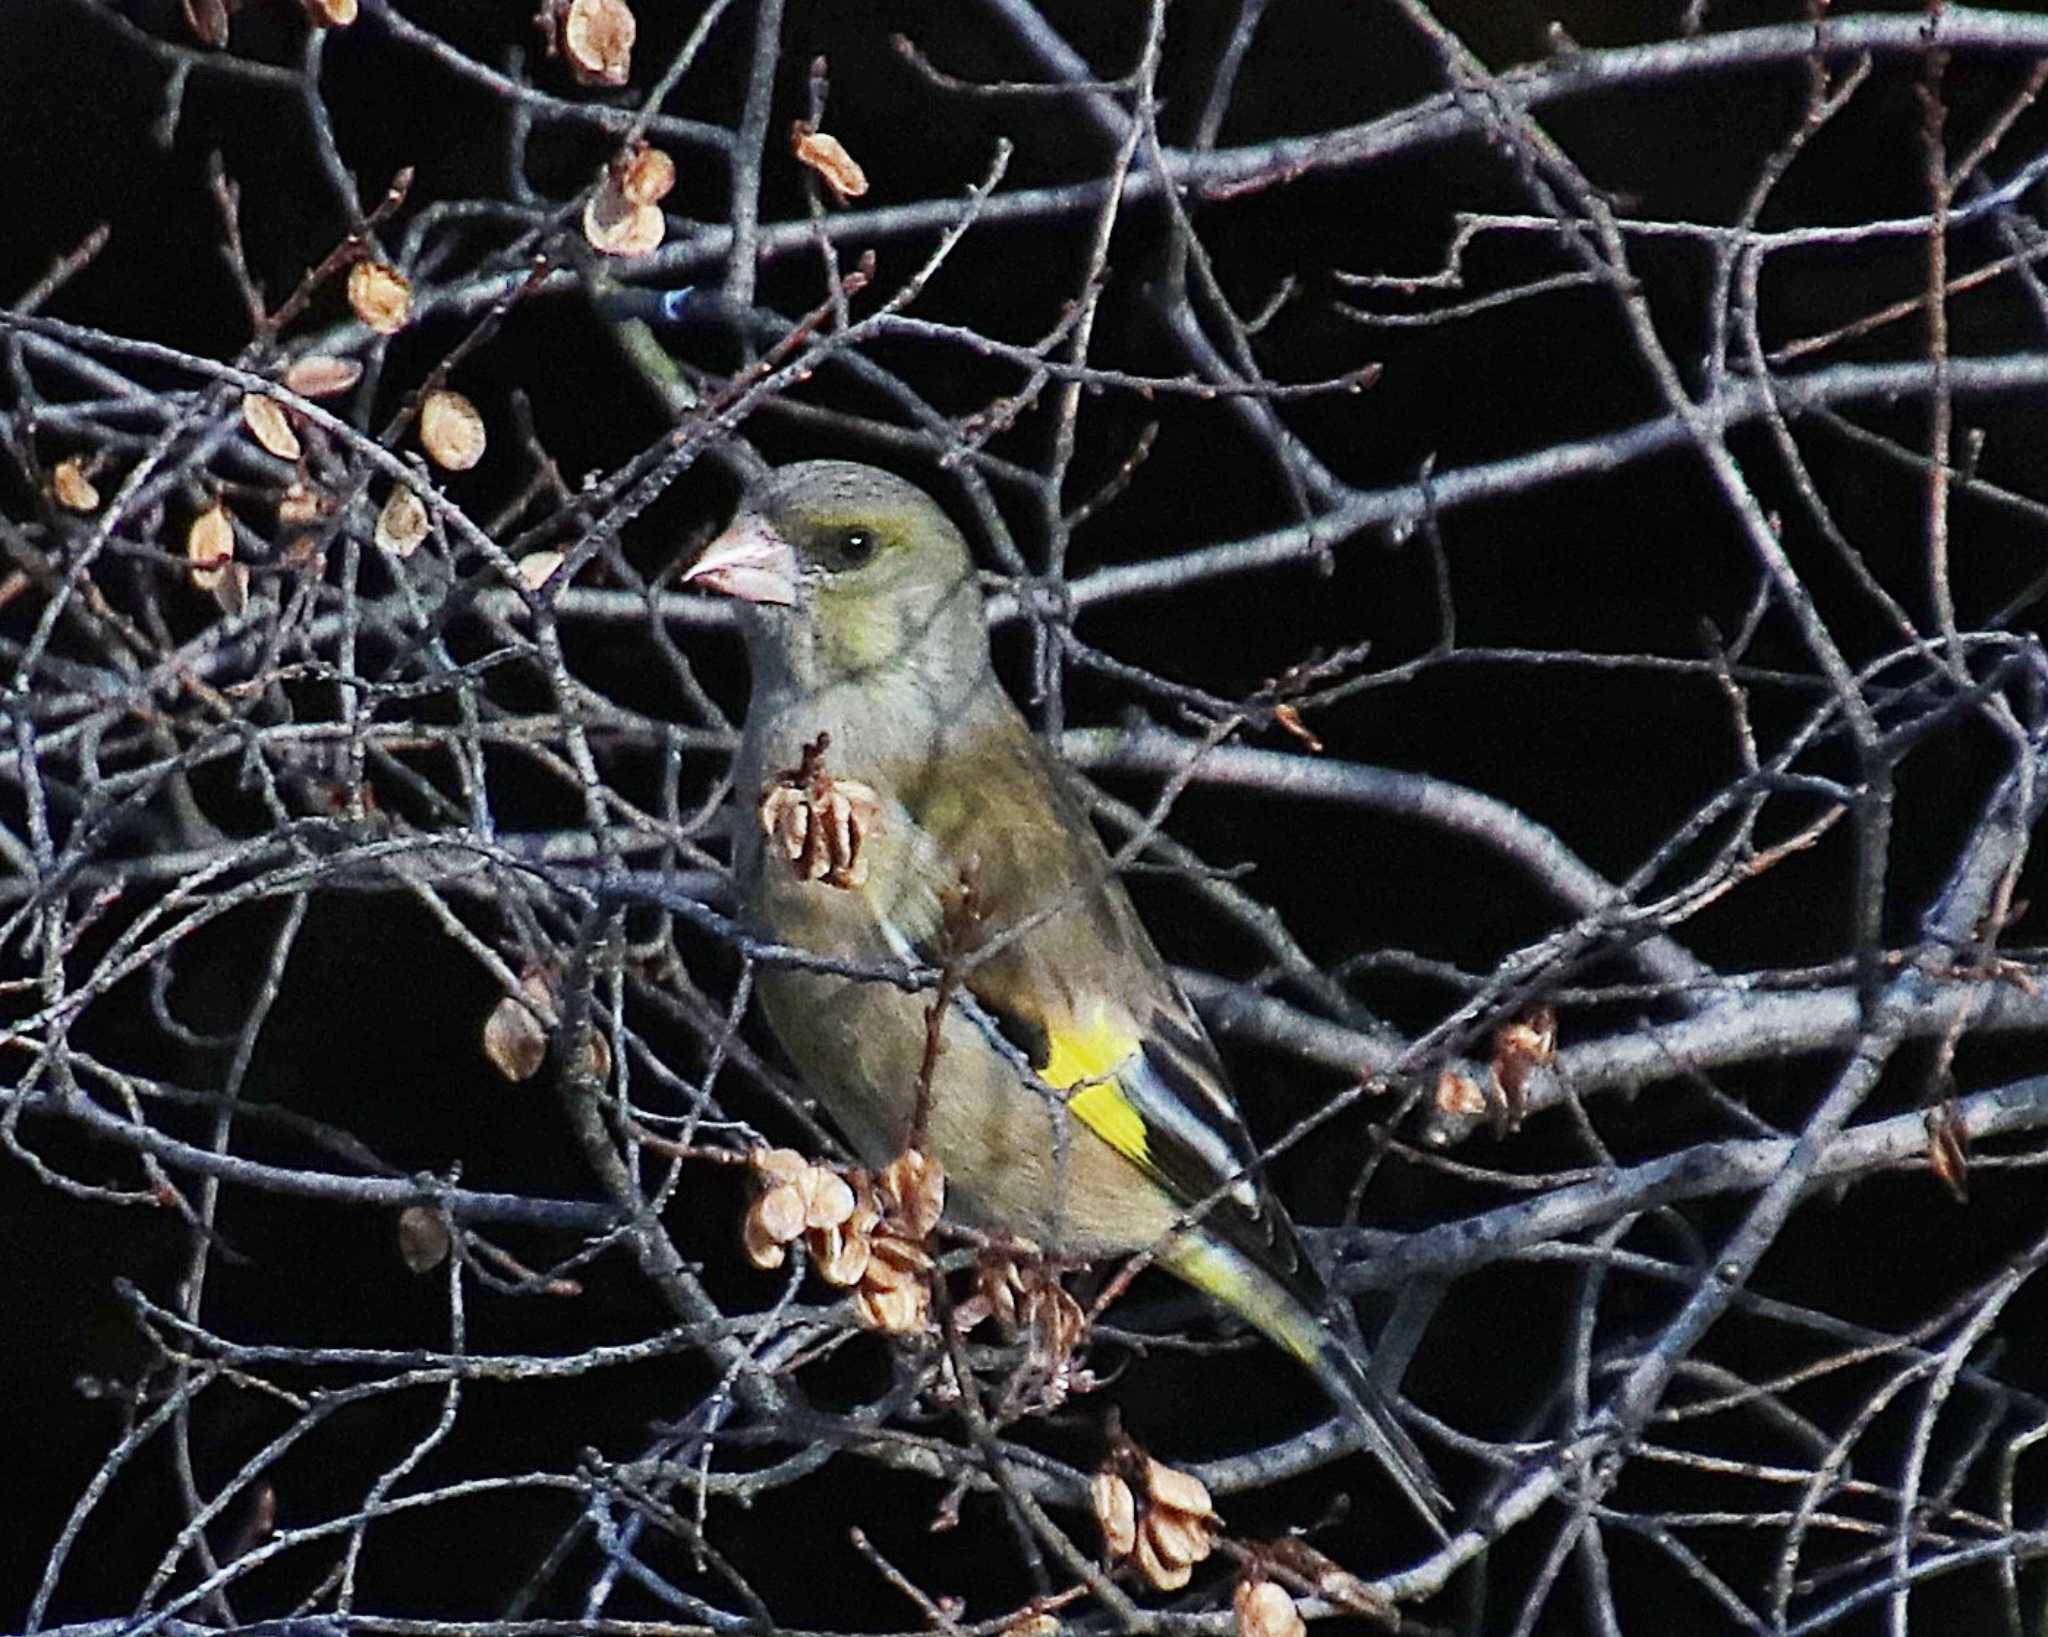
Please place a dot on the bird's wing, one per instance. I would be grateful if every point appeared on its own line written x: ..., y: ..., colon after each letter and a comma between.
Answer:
x: 1060, y: 963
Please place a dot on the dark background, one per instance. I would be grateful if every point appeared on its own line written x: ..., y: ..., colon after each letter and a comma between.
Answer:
x: 376, y: 1030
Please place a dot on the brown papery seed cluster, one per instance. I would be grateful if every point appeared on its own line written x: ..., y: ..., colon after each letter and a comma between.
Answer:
x: 1155, y: 1518
x: 820, y: 824
x: 865, y: 1234
x: 1024, y: 1295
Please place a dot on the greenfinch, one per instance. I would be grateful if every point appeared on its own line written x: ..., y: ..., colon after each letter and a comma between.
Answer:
x: 1075, y: 1099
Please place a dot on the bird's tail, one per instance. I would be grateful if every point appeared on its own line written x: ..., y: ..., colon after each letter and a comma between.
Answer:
x: 1226, y: 1273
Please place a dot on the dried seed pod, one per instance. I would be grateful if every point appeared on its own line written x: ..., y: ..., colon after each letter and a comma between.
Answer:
x: 1158, y: 1572
x: 1000, y: 1289
x: 841, y: 1256
x: 896, y: 1263
x: 645, y: 175
x: 321, y: 375
x: 597, y: 40
x: 820, y: 823
x: 268, y: 423
x: 451, y: 430
x: 1181, y: 1491
x: 1459, y: 1094
x: 1116, y: 1510
x: 210, y: 546
x: 777, y: 1164
x: 1178, y: 1537
x: 828, y: 1201
x: 763, y: 1249
x: 71, y: 488
x: 827, y: 156
x: 1519, y: 1048
x: 516, y: 1030
x: 536, y: 567
x: 780, y: 1211
x: 402, y: 524
x: 380, y: 295
x: 1057, y: 1321
x: 330, y: 13
x: 423, y: 1241
x: 615, y: 225
x: 897, y: 1310
x: 208, y: 21
x: 1264, y: 1609
x: 913, y: 1187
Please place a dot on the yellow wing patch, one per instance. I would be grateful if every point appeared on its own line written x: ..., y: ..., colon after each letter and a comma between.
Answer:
x: 1088, y: 1055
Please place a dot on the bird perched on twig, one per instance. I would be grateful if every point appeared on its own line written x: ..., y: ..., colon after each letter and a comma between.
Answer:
x: 907, y: 811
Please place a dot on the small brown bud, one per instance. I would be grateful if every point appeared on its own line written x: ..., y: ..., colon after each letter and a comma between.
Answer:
x: 71, y: 488
x: 451, y: 430
x: 597, y: 39
x: 402, y: 524
x: 380, y: 295
x: 827, y: 156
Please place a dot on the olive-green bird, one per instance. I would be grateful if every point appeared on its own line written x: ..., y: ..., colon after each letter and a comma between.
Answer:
x: 863, y: 621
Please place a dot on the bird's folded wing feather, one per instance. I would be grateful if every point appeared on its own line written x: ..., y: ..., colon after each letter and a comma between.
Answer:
x: 1064, y: 969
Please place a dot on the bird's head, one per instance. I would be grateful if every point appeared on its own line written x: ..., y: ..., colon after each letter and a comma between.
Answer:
x: 843, y: 570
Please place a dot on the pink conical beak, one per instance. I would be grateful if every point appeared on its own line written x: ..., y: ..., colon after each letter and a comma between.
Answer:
x: 749, y: 561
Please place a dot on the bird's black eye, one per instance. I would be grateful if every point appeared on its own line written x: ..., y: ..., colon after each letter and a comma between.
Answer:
x: 855, y: 547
